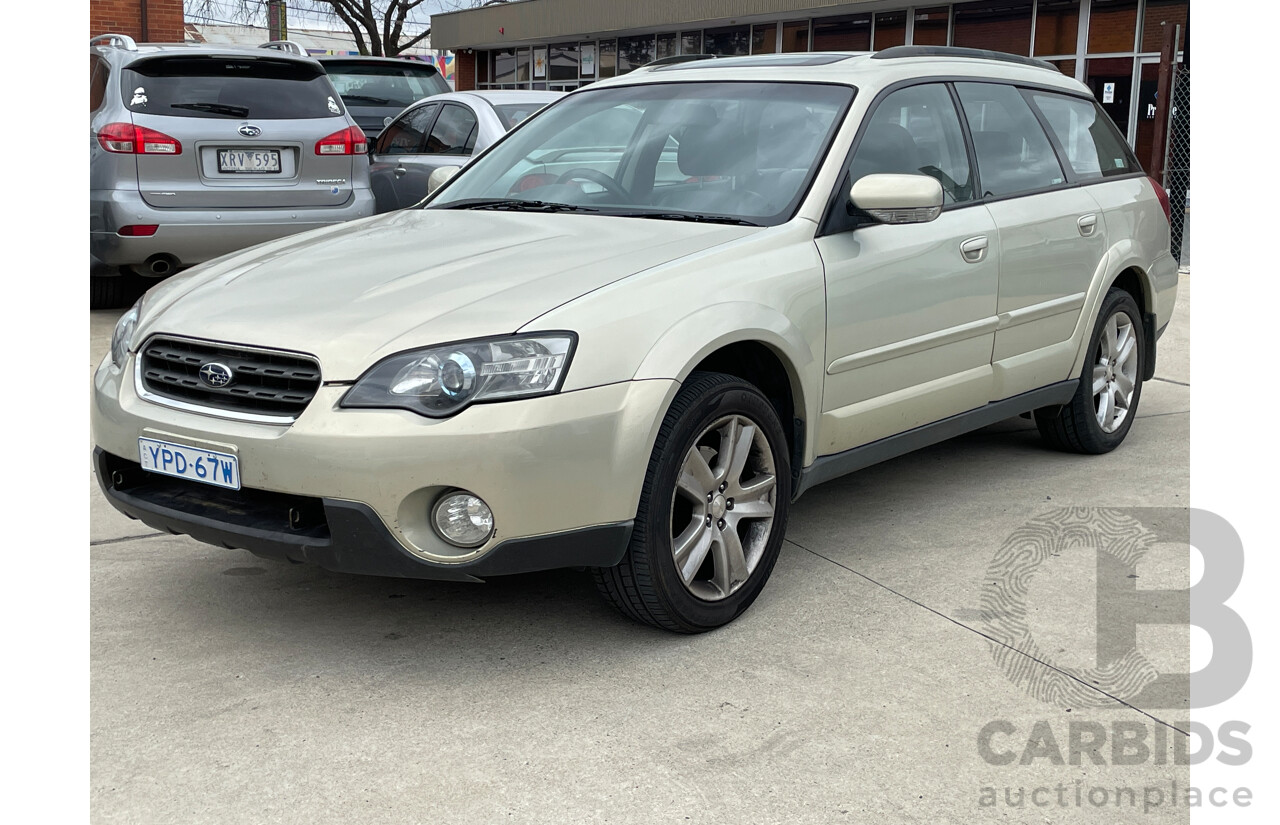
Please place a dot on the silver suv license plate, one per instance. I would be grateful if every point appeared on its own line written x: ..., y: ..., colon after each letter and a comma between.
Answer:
x: 264, y: 161
x: 205, y: 466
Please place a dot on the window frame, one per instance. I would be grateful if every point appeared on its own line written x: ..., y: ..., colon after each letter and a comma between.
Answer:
x: 836, y: 219
x: 380, y: 148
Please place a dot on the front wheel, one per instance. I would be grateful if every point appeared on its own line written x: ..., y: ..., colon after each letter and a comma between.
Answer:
x: 1100, y: 414
x: 712, y: 512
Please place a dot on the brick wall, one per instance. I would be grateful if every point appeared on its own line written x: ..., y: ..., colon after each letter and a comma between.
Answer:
x: 164, y: 19
x: 464, y: 70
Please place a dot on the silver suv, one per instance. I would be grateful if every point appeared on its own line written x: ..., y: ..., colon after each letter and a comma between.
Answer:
x: 197, y: 151
x: 653, y: 315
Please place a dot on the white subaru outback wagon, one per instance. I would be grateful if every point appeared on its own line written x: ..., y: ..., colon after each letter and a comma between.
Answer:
x: 629, y: 335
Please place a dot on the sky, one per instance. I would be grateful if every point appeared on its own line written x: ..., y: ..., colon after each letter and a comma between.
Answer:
x: 229, y: 11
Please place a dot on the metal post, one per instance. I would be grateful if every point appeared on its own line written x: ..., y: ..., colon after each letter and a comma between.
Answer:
x: 1164, y: 100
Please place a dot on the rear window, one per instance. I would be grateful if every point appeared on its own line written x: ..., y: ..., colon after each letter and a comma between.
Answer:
x: 512, y: 113
x: 378, y: 84
x: 242, y: 88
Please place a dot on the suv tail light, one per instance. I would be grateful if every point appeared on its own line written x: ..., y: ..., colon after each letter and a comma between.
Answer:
x: 1163, y: 196
x: 350, y: 141
x: 127, y: 139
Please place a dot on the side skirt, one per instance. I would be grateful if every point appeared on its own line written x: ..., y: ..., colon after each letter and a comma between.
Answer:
x: 828, y: 467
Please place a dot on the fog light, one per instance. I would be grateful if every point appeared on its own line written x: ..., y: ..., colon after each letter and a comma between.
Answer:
x: 463, y: 519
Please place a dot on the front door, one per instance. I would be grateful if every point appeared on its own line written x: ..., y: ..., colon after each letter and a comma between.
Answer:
x: 911, y: 309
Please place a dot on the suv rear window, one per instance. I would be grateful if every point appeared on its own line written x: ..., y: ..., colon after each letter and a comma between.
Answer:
x: 377, y: 84
x: 229, y: 87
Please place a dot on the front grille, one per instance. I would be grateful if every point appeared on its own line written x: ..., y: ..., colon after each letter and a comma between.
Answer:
x: 264, y: 382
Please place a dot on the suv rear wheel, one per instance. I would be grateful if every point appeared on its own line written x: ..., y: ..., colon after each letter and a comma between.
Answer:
x: 712, y: 512
x: 113, y: 291
x: 1100, y: 414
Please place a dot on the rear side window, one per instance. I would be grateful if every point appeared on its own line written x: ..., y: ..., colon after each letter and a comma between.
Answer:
x: 1093, y: 146
x: 511, y: 114
x: 97, y: 82
x: 1014, y: 153
x: 242, y: 88
x: 454, y: 132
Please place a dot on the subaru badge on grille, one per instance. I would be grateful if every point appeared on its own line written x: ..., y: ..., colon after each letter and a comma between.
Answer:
x: 215, y: 374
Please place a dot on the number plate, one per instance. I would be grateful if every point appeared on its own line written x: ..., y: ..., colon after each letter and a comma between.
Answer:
x: 252, y: 161
x: 205, y: 466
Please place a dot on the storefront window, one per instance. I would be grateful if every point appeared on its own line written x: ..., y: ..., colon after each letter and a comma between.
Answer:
x: 691, y: 43
x: 842, y: 34
x: 504, y: 66
x: 1112, y: 25
x: 1057, y: 25
x: 1067, y: 67
x: 608, y: 58
x: 562, y: 61
x: 728, y: 42
x: 634, y: 52
x: 764, y: 38
x: 1173, y: 12
x: 999, y: 25
x: 668, y: 45
x: 891, y: 29
x: 795, y: 36
x: 522, y: 66
x: 1111, y: 80
x: 932, y: 26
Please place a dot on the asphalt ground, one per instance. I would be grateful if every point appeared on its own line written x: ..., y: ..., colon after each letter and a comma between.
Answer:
x: 893, y: 665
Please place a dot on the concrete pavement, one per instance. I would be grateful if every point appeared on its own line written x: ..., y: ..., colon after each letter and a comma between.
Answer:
x: 230, y: 689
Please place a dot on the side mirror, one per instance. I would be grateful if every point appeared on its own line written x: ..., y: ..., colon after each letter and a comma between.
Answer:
x: 441, y: 176
x: 898, y: 198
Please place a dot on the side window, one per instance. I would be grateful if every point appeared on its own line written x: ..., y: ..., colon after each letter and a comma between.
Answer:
x: 916, y: 131
x: 1014, y: 153
x: 1094, y: 148
x: 98, y: 72
x: 454, y: 132
x: 407, y: 134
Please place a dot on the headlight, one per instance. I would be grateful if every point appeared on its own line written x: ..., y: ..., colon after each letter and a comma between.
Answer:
x: 441, y: 381
x: 122, y: 337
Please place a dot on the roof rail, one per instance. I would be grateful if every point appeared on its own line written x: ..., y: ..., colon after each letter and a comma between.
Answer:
x: 121, y: 41
x: 676, y: 58
x: 285, y: 46
x: 896, y: 52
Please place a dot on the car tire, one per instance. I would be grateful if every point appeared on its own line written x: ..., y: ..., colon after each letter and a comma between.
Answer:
x: 111, y: 291
x: 723, y: 435
x: 1100, y: 414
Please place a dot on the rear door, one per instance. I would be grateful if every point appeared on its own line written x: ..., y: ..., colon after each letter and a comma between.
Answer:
x: 449, y: 143
x: 243, y: 131
x: 1052, y: 238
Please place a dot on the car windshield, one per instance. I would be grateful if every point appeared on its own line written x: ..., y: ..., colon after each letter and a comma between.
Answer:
x: 733, y: 152
x: 379, y: 84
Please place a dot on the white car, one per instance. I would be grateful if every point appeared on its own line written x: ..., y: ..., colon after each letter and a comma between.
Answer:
x: 442, y: 130
x: 633, y: 354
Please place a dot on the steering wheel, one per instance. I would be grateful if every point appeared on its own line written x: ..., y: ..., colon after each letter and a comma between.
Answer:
x: 585, y: 173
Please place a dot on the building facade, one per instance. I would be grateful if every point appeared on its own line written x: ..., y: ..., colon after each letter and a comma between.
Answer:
x: 156, y: 21
x: 1111, y: 45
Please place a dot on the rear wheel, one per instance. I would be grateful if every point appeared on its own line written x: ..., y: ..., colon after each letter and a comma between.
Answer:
x: 1100, y: 414
x: 712, y: 512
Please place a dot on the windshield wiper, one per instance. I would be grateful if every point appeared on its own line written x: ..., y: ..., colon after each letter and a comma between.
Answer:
x: 516, y: 205
x: 214, y: 108
x: 377, y: 101
x: 685, y: 216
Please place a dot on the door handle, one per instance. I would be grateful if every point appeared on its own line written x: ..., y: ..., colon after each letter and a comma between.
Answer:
x: 1087, y: 225
x: 974, y: 250
x: 400, y: 171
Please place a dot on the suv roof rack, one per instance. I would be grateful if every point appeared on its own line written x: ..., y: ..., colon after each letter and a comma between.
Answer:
x: 119, y: 41
x: 896, y: 52
x: 285, y: 46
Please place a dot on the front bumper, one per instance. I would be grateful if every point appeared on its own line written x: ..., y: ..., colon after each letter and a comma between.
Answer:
x: 194, y: 236
x: 562, y: 474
